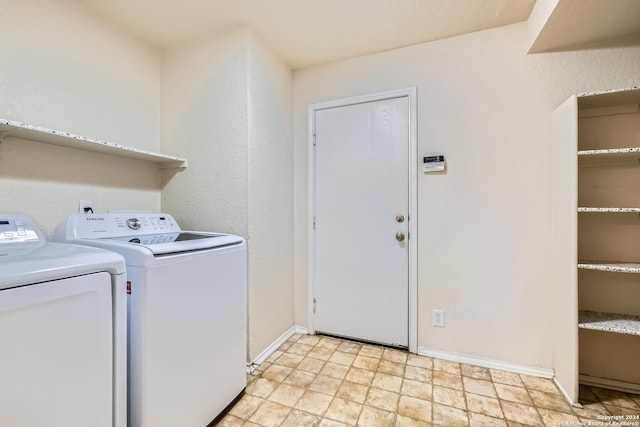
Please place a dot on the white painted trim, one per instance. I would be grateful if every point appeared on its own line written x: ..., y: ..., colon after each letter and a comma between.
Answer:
x: 564, y: 392
x: 488, y: 363
x: 411, y: 94
x: 277, y: 343
x: 311, y: 208
x: 611, y: 384
x: 301, y: 330
x: 413, y: 219
x: 274, y: 346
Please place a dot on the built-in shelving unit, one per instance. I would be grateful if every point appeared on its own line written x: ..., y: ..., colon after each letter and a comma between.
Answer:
x: 597, y: 164
x: 24, y: 131
x: 608, y: 179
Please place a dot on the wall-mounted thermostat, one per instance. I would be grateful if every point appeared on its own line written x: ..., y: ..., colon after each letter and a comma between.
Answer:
x: 433, y: 164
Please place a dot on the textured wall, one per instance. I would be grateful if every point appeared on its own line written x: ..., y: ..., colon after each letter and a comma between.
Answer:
x: 204, y: 118
x: 227, y: 107
x: 270, y: 197
x: 64, y: 68
x: 483, y: 227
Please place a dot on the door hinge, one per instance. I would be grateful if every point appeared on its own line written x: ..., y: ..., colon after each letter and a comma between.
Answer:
x: 314, y: 306
x: 314, y: 222
x: 314, y: 139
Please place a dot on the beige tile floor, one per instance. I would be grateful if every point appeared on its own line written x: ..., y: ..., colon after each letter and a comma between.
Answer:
x: 322, y: 381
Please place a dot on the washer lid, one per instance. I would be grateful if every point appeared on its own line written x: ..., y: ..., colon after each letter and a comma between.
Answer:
x: 141, y: 238
x: 52, y: 261
x: 182, y: 241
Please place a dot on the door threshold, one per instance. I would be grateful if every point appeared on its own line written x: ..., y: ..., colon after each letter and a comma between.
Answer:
x: 363, y: 341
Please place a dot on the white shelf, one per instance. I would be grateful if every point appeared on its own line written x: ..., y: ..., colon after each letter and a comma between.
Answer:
x: 12, y: 129
x: 613, y: 267
x: 614, y: 98
x: 573, y: 25
x: 611, y: 153
x: 609, y: 322
x: 609, y: 210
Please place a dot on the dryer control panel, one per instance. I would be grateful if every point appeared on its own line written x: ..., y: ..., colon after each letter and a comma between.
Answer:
x: 18, y: 229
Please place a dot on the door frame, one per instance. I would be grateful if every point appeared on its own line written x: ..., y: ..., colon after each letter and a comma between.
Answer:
x: 411, y: 94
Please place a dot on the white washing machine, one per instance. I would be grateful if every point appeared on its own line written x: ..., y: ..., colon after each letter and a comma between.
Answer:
x: 187, y: 314
x: 62, y: 331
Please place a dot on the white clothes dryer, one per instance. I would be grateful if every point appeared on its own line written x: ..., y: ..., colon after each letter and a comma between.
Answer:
x: 62, y: 331
x: 187, y: 314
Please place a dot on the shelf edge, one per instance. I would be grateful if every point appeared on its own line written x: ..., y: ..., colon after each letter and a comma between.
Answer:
x: 613, y: 267
x: 609, y: 322
x: 609, y: 151
x: 586, y: 209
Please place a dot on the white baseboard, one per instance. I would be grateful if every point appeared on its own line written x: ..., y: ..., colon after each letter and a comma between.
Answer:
x: 565, y: 394
x: 610, y: 384
x: 277, y: 343
x: 301, y: 330
x: 487, y: 363
x: 423, y: 351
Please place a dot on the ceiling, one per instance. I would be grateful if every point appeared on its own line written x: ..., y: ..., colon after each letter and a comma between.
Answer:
x: 310, y: 32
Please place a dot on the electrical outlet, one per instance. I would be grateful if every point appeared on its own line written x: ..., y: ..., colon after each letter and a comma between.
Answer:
x: 85, y: 206
x: 437, y: 318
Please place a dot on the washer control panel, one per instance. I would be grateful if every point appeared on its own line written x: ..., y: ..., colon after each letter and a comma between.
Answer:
x: 18, y: 229
x: 121, y: 224
x: 146, y: 224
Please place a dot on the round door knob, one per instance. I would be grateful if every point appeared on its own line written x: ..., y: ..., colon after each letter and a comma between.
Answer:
x: 399, y: 236
x: 400, y: 218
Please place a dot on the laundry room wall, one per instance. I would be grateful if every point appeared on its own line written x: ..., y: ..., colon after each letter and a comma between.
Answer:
x: 270, y: 196
x: 483, y: 226
x: 64, y: 68
x: 204, y: 118
x: 227, y: 107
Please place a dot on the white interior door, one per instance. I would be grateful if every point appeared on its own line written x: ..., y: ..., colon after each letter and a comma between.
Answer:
x: 362, y: 220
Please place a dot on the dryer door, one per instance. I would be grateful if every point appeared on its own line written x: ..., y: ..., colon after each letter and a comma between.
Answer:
x: 56, y: 354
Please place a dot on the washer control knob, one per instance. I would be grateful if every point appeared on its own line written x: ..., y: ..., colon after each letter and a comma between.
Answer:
x: 133, y: 223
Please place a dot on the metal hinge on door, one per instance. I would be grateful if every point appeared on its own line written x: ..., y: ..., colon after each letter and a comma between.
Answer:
x: 314, y: 306
x: 314, y: 139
